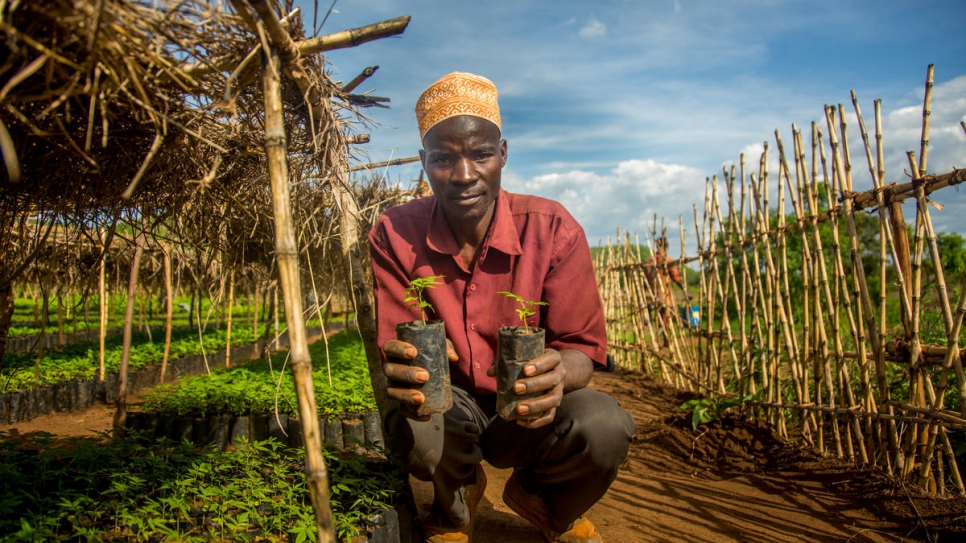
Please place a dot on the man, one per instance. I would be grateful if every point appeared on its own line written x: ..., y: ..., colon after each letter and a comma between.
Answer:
x: 660, y: 272
x: 566, y: 451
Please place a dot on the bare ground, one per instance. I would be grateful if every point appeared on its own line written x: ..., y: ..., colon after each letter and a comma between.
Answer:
x: 730, y: 481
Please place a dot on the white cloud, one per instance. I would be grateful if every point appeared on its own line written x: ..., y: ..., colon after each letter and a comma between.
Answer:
x: 593, y: 29
x: 631, y: 192
x: 628, y: 196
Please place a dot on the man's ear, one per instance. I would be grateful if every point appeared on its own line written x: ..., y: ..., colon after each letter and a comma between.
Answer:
x: 502, y: 151
x: 422, y: 158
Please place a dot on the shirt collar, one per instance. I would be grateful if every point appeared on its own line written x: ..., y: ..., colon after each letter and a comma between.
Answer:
x: 502, y: 234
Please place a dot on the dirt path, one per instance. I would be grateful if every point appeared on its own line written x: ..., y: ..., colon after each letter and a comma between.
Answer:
x: 725, y: 483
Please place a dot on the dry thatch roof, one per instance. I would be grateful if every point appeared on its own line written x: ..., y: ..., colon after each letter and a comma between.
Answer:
x: 150, y: 112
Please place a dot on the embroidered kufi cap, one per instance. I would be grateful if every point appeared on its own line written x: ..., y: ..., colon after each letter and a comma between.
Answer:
x: 458, y: 93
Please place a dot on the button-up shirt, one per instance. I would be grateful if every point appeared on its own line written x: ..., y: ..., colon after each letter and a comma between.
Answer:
x: 533, y: 248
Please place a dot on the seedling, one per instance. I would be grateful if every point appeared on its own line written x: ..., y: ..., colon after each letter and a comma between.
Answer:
x: 414, y: 294
x: 707, y: 410
x: 525, y: 310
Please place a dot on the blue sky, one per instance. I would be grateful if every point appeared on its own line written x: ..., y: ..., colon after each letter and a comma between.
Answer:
x: 621, y: 109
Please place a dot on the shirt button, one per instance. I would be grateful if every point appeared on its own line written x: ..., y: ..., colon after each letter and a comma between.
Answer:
x: 477, y: 364
x: 473, y: 327
x: 473, y: 286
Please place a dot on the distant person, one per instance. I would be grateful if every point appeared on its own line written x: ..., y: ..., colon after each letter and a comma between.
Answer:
x: 661, y: 272
x: 483, y: 240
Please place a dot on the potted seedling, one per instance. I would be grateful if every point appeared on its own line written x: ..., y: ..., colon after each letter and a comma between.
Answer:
x: 429, y: 338
x: 517, y: 345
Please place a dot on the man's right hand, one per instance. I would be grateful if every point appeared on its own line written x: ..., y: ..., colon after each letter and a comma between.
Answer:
x: 404, y: 378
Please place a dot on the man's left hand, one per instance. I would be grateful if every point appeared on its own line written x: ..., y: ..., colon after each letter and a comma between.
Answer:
x: 544, y: 375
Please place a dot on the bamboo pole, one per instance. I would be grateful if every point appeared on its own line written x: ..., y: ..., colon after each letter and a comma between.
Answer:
x: 286, y: 252
x: 748, y: 387
x: 169, y: 310
x: 926, y: 116
x: 841, y: 168
x: 102, y: 310
x: 947, y: 314
x: 228, y: 317
x: 338, y: 40
x: 796, y: 356
x: 255, y: 311
x: 711, y: 293
x: 842, y: 299
x: 691, y: 354
x: 377, y: 165
x: 120, y: 414
x: 819, y: 280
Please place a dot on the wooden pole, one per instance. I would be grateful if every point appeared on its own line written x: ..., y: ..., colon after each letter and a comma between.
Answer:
x: 842, y: 169
x: 286, y: 252
x: 231, y: 305
x: 102, y: 309
x: 120, y: 414
x: 7, y: 298
x: 338, y: 40
x: 169, y: 311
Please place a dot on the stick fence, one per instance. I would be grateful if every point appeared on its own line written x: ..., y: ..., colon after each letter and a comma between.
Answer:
x: 813, y: 310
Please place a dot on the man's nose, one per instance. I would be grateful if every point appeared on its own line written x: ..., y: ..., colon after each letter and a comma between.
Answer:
x: 463, y: 171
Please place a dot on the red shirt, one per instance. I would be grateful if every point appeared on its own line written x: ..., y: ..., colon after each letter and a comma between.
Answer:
x: 533, y: 248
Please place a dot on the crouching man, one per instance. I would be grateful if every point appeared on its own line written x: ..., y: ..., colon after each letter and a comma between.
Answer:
x: 566, y: 450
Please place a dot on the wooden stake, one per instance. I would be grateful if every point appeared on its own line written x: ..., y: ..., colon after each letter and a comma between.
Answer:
x: 102, y: 309
x: 286, y: 254
x: 231, y: 306
x: 120, y: 404
x: 169, y: 310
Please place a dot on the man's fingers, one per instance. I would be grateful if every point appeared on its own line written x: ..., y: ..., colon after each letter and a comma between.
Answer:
x: 451, y: 351
x: 399, y: 349
x: 535, y: 406
x: 541, y: 383
x: 544, y: 363
x: 405, y: 374
x: 406, y: 395
x: 537, y: 422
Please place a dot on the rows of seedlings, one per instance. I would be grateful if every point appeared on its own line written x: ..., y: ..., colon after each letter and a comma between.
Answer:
x: 68, y: 378
x: 136, y: 489
x: 257, y: 401
x: 213, y: 456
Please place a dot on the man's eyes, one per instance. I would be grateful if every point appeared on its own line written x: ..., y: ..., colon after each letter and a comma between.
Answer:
x: 448, y: 160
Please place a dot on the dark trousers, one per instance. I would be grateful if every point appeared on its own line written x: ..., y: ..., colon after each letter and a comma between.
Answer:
x: 570, y: 463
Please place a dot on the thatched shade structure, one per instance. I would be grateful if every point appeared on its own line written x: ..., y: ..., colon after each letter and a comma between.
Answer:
x: 141, y: 125
x: 112, y: 110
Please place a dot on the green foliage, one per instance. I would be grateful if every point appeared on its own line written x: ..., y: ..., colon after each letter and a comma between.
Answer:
x: 262, y: 385
x: 81, y: 361
x: 133, y: 490
x: 526, y: 307
x: 709, y: 409
x: 23, y: 323
x: 414, y: 294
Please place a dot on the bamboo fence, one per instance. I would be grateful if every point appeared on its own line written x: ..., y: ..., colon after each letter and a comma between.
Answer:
x: 815, y: 339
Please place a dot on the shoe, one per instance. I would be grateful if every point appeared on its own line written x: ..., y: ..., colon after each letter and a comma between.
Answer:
x: 473, y: 493
x: 532, y: 508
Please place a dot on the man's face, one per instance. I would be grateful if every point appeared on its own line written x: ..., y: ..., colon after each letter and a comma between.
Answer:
x: 463, y: 157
